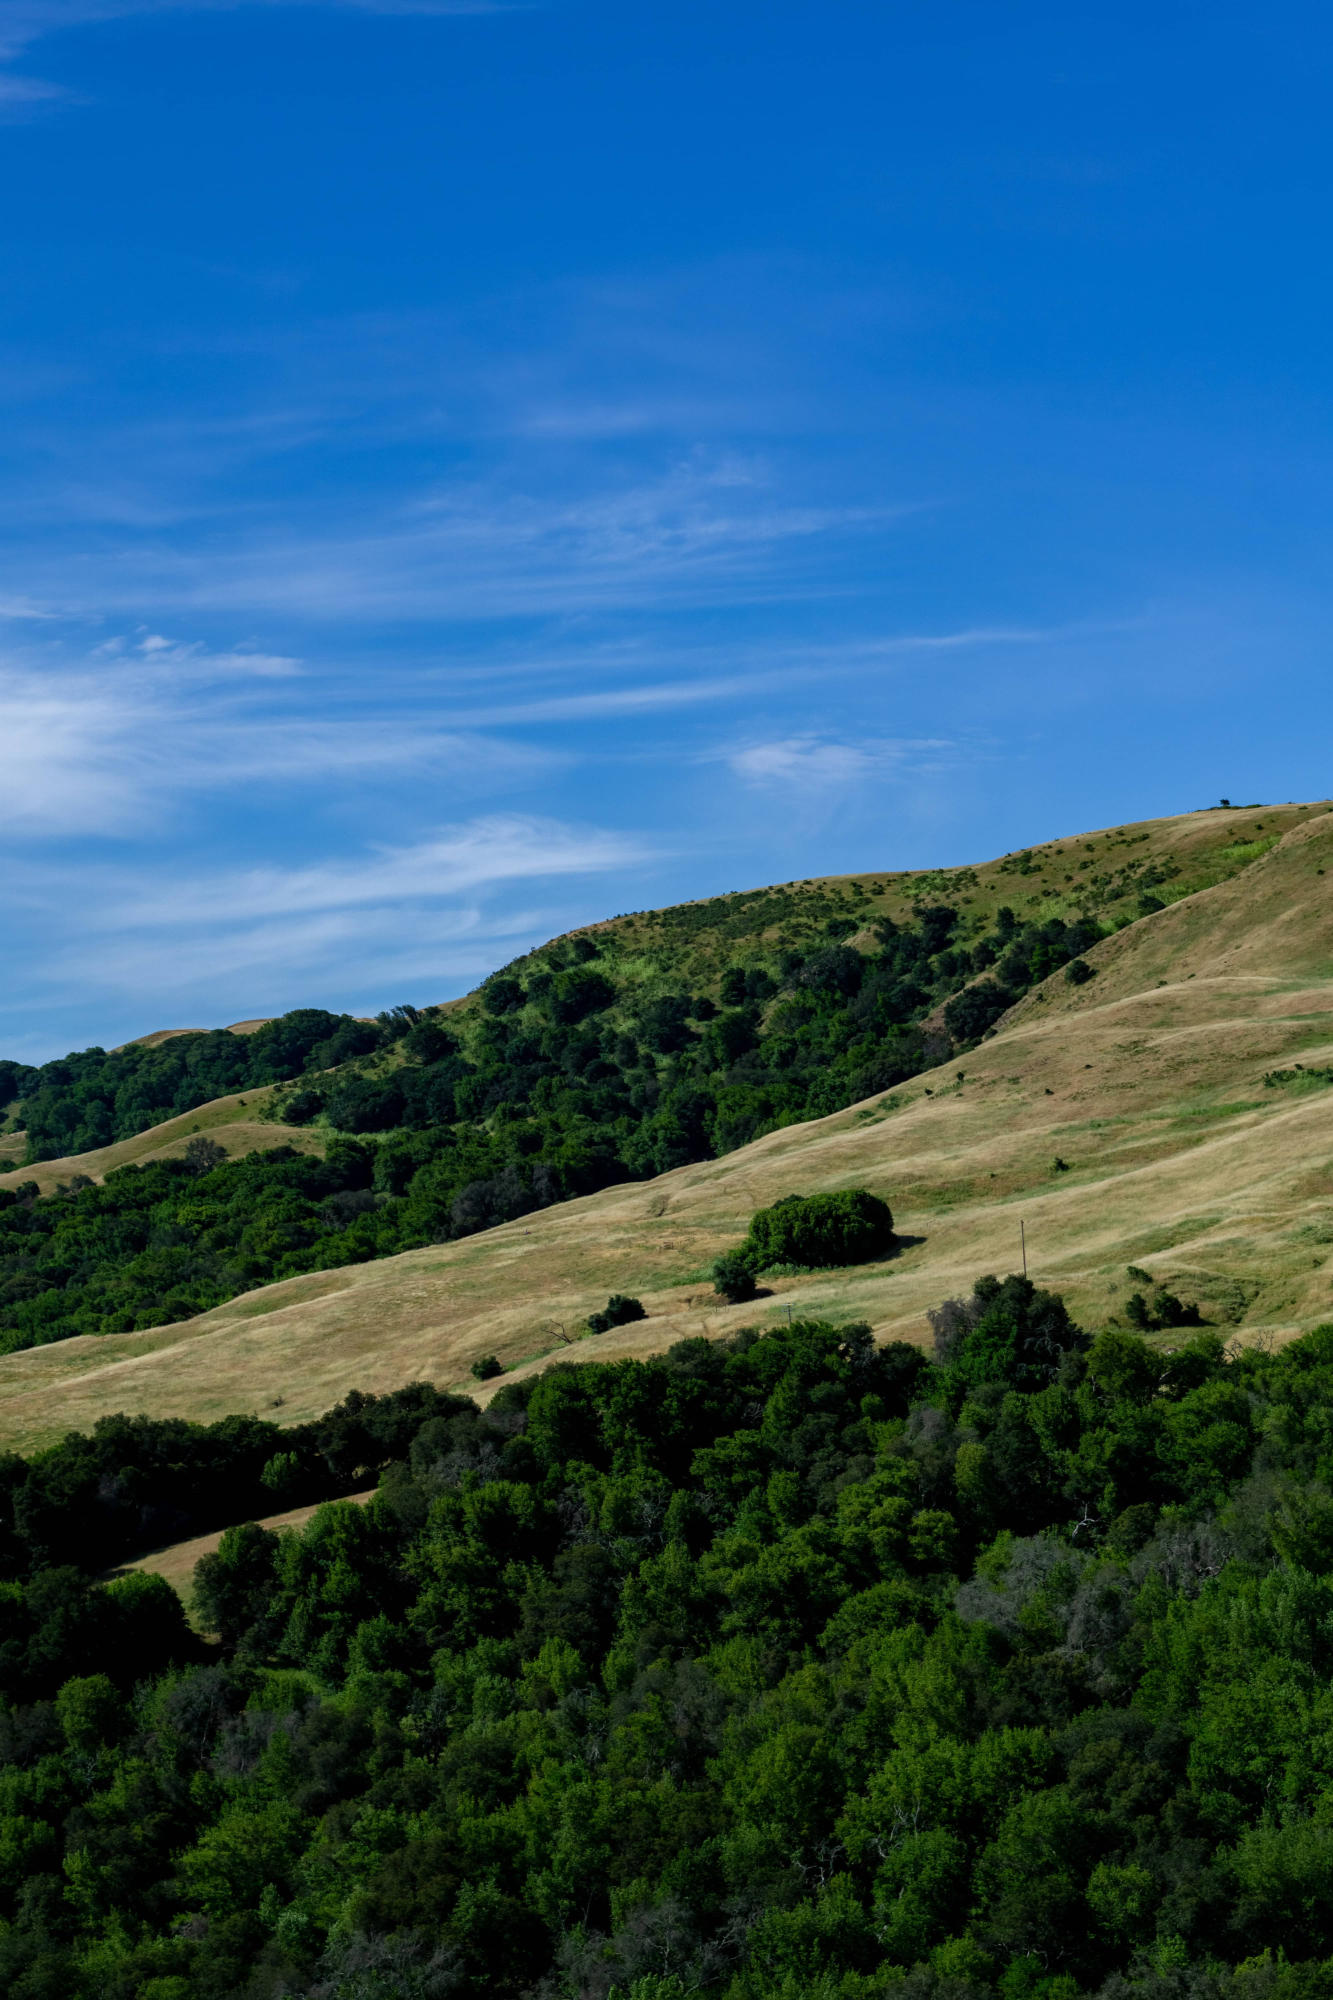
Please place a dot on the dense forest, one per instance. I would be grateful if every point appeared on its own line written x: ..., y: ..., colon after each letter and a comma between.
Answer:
x: 782, y: 1666
x: 573, y: 1071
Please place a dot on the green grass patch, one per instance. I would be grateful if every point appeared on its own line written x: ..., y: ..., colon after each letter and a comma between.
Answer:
x: 1217, y: 1110
x: 1298, y: 1079
x: 1244, y: 851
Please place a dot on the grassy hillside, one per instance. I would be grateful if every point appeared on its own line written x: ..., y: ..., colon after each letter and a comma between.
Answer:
x: 1147, y: 1082
x: 589, y: 1063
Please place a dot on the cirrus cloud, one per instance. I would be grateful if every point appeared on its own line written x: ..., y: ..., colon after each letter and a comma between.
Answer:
x: 114, y: 743
x: 816, y: 763
x: 419, y: 916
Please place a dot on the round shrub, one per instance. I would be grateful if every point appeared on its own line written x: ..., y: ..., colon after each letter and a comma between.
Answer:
x: 819, y: 1230
x: 733, y: 1278
x: 620, y: 1311
x: 299, y: 1110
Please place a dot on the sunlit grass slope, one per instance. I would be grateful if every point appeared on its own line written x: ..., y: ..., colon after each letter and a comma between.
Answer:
x: 1147, y: 1083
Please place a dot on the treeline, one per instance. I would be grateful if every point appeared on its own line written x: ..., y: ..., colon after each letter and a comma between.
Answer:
x: 91, y: 1098
x: 567, y: 1079
x: 786, y: 1666
x: 139, y: 1483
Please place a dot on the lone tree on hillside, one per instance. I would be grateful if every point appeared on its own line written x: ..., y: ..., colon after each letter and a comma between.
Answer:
x: 620, y: 1311
x: 733, y: 1278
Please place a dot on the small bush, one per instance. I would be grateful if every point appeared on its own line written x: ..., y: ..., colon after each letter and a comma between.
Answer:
x: 733, y: 1277
x: 1172, y: 1311
x: 1078, y: 972
x: 202, y: 1155
x: 620, y: 1311
x: 820, y: 1230
x: 487, y: 1368
x: 299, y: 1110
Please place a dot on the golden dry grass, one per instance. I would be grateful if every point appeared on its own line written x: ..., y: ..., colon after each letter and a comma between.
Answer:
x: 1148, y: 1082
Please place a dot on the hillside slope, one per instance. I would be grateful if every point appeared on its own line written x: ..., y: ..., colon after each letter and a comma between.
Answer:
x: 236, y: 1122
x: 615, y: 1054
x: 1147, y: 1082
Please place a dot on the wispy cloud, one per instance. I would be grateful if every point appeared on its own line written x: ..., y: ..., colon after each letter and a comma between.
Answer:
x: 24, y: 608
x: 180, y: 662
x: 700, y: 529
x: 25, y: 93
x: 114, y: 741
x: 113, y: 745
x: 608, y: 702
x: 423, y: 911
x: 816, y: 763
x: 483, y: 852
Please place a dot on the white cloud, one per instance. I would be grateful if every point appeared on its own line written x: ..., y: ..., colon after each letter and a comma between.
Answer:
x: 610, y: 701
x: 477, y: 855
x: 23, y: 608
x: 813, y: 763
x: 801, y: 760
x: 180, y: 661
x: 433, y: 911
x: 113, y: 746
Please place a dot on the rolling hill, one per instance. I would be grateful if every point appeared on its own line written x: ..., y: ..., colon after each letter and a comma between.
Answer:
x: 1172, y: 1112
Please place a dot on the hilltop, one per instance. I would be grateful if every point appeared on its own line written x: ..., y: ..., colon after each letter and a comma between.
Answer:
x: 1181, y: 1087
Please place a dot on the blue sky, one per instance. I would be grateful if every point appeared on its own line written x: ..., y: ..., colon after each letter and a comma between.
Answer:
x: 470, y: 470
